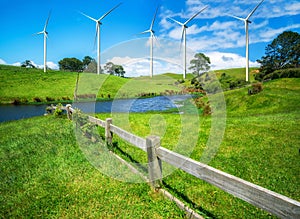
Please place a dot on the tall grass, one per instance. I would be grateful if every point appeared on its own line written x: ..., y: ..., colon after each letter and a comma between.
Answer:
x: 45, y: 175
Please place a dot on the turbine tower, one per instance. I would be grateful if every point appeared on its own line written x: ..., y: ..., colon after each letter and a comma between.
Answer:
x: 98, y: 24
x: 45, y: 33
x: 152, y: 36
x: 183, y: 37
x: 247, y: 21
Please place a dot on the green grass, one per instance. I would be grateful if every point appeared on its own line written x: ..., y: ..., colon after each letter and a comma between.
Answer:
x: 43, y: 173
x: 260, y: 145
x: 239, y: 73
x: 33, y: 85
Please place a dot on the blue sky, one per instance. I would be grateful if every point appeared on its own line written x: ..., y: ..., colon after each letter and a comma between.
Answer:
x: 212, y: 32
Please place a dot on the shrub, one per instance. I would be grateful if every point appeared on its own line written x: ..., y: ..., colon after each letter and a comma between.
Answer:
x: 282, y: 73
x: 16, y: 101
x: 66, y: 98
x: 58, y: 112
x: 37, y: 99
x: 49, y: 99
x: 256, y: 88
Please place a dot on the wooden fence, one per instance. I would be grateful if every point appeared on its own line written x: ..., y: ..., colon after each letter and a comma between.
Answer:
x: 258, y: 196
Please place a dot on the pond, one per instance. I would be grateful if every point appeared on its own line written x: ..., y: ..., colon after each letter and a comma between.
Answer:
x: 158, y: 103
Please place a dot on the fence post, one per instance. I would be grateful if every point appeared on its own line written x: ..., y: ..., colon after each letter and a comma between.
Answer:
x: 69, y: 113
x: 108, y: 133
x: 154, y: 163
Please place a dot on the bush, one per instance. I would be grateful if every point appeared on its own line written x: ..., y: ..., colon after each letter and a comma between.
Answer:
x: 16, y: 101
x: 58, y: 112
x: 282, y: 73
x: 256, y: 88
x: 49, y: 99
x: 37, y: 99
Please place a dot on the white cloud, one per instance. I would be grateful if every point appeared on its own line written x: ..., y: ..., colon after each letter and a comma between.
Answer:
x: 17, y: 64
x: 2, y: 62
x: 269, y: 33
x: 140, y: 67
x: 221, y: 60
x: 52, y: 65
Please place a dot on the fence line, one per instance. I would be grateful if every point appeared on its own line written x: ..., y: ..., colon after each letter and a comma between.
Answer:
x: 258, y: 196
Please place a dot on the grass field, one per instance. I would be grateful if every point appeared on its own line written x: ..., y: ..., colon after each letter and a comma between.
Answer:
x: 260, y: 145
x: 23, y: 85
x: 44, y: 173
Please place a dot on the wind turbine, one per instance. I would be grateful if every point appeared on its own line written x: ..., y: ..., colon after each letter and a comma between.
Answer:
x: 183, y: 37
x: 247, y: 21
x: 98, y: 24
x: 45, y: 41
x: 152, y: 36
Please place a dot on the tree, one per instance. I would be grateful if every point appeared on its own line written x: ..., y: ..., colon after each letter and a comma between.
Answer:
x: 27, y: 64
x: 282, y: 53
x: 86, y: 61
x: 113, y: 69
x: 109, y: 68
x: 92, y: 67
x: 200, y: 63
x: 70, y: 64
x: 119, y: 70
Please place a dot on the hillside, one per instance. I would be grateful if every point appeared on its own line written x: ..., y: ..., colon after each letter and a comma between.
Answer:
x: 45, y: 169
x: 278, y: 96
x: 23, y: 85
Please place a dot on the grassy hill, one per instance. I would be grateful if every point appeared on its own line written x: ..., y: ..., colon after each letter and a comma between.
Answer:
x: 44, y: 173
x: 24, y: 85
x: 238, y: 73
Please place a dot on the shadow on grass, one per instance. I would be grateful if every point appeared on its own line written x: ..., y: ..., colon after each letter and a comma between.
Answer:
x: 190, y: 202
x: 116, y: 149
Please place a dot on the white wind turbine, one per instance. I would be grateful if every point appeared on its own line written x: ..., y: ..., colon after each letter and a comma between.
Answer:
x: 152, y: 36
x: 247, y: 21
x: 45, y: 33
x: 98, y: 24
x: 183, y: 37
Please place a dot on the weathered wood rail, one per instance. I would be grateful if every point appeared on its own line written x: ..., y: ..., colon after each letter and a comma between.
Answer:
x: 258, y: 196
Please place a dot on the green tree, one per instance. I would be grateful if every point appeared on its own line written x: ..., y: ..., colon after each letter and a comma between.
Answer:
x: 282, y: 53
x: 27, y: 64
x: 109, y: 68
x: 70, y: 64
x: 113, y: 69
x: 200, y: 63
x: 86, y: 61
x: 119, y: 70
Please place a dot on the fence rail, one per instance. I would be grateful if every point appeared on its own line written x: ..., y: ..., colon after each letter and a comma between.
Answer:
x: 258, y: 196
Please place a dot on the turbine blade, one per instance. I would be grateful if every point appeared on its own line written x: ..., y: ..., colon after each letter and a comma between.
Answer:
x: 107, y: 13
x: 182, y: 35
x: 38, y: 33
x: 46, y: 24
x: 254, y: 10
x: 93, y: 19
x: 175, y: 21
x: 239, y: 18
x: 146, y: 31
x: 156, y: 40
x: 152, y: 23
x: 195, y: 15
x: 95, y: 40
